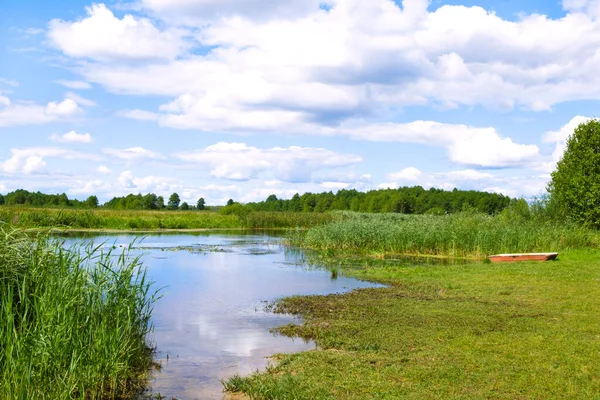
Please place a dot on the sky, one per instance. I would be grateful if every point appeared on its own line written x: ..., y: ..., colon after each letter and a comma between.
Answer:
x: 242, y: 99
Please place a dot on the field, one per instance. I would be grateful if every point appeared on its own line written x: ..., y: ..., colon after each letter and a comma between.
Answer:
x: 73, y: 323
x: 446, y: 330
x: 472, y: 331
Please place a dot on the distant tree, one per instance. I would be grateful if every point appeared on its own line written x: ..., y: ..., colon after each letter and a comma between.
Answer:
x: 185, y: 206
x: 150, y: 202
x: 160, y: 202
x: 200, y: 205
x: 230, y: 202
x: 1, y: 199
x: 174, y: 202
x: 91, y: 202
x: 575, y: 185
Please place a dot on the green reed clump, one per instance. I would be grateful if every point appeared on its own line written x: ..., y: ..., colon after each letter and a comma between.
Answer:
x: 73, y: 322
x: 278, y: 219
x: 455, y: 235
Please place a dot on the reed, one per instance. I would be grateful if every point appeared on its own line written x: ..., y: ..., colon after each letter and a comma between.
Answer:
x: 25, y: 218
x: 73, y: 322
x: 471, y: 235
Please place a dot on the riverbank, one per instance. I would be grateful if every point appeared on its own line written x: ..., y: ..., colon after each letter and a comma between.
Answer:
x: 471, y: 331
x: 73, y: 322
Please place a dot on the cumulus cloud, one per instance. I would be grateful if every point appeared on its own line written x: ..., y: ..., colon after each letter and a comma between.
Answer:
x: 238, y: 161
x: 155, y: 184
x: 468, y: 179
x: 133, y: 154
x: 104, y: 37
x: 483, y: 147
x: 72, y: 137
x: 27, y: 113
x: 360, y: 56
x: 32, y: 160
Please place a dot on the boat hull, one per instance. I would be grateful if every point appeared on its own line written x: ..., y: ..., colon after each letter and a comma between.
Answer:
x: 522, y: 257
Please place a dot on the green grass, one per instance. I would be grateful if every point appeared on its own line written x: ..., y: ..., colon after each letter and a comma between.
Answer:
x: 73, y: 322
x: 473, y: 331
x: 27, y: 218
x: 456, y: 235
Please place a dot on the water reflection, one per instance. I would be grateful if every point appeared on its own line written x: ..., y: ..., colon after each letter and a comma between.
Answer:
x: 211, y: 322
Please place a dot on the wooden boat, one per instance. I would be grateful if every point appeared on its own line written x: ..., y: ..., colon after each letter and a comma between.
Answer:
x: 523, y: 257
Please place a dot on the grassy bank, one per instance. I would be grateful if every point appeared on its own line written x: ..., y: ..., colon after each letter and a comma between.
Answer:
x: 470, y: 235
x: 73, y: 323
x: 27, y: 218
x: 475, y: 331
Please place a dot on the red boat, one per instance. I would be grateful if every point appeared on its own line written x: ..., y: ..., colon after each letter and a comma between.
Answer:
x: 523, y: 257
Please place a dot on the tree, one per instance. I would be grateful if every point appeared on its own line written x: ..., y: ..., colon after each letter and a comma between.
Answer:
x: 200, y: 205
x: 92, y: 202
x: 1, y: 199
x: 575, y: 185
x: 160, y: 202
x: 150, y: 202
x: 173, y: 202
x: 185, y: 206
x: 230, y: 202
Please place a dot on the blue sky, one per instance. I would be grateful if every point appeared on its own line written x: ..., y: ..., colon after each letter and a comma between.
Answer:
x: 243, y: 98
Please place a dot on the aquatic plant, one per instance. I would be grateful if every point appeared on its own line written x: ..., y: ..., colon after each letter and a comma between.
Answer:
x: 457, y: 235
x: 73, y: 322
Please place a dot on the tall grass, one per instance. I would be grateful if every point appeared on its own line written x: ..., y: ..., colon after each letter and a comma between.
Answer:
x: 115, y: 219
x: 23, y: 217
x: 456, y: 235
x: 73, y: 322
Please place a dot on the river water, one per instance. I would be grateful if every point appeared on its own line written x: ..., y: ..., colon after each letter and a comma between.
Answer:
x: 211, y: 321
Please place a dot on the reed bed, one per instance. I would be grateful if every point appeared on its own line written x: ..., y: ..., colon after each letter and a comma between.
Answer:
x: 73, y: 322
x: 279, y: 219
x: 115, y: 219
x: 469, y: 235
x: 155, y: 220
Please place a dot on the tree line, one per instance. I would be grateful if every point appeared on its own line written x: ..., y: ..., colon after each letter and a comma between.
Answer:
x: 149, y: 201
x: 406, y: 200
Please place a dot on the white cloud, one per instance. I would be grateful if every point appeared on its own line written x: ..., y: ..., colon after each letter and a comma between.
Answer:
x: 73, y: 84
x: 104, y: 37
x: 102, y: 169
x: 139, y: 115
x: 90, y: 187
x: 466, y: 145
x: 8, y: 82
x: 468, y: 179
x: 359, y: 57
x: 80, y: 99
x: 559, y: 138
x: 26, y: 113
x: 148, y: 184
x: 407, y: 174
x: 72, y: 137
x: 133, y: 154
x: 31, y: 160
x: 238, y: 161
x: 199, y: 12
